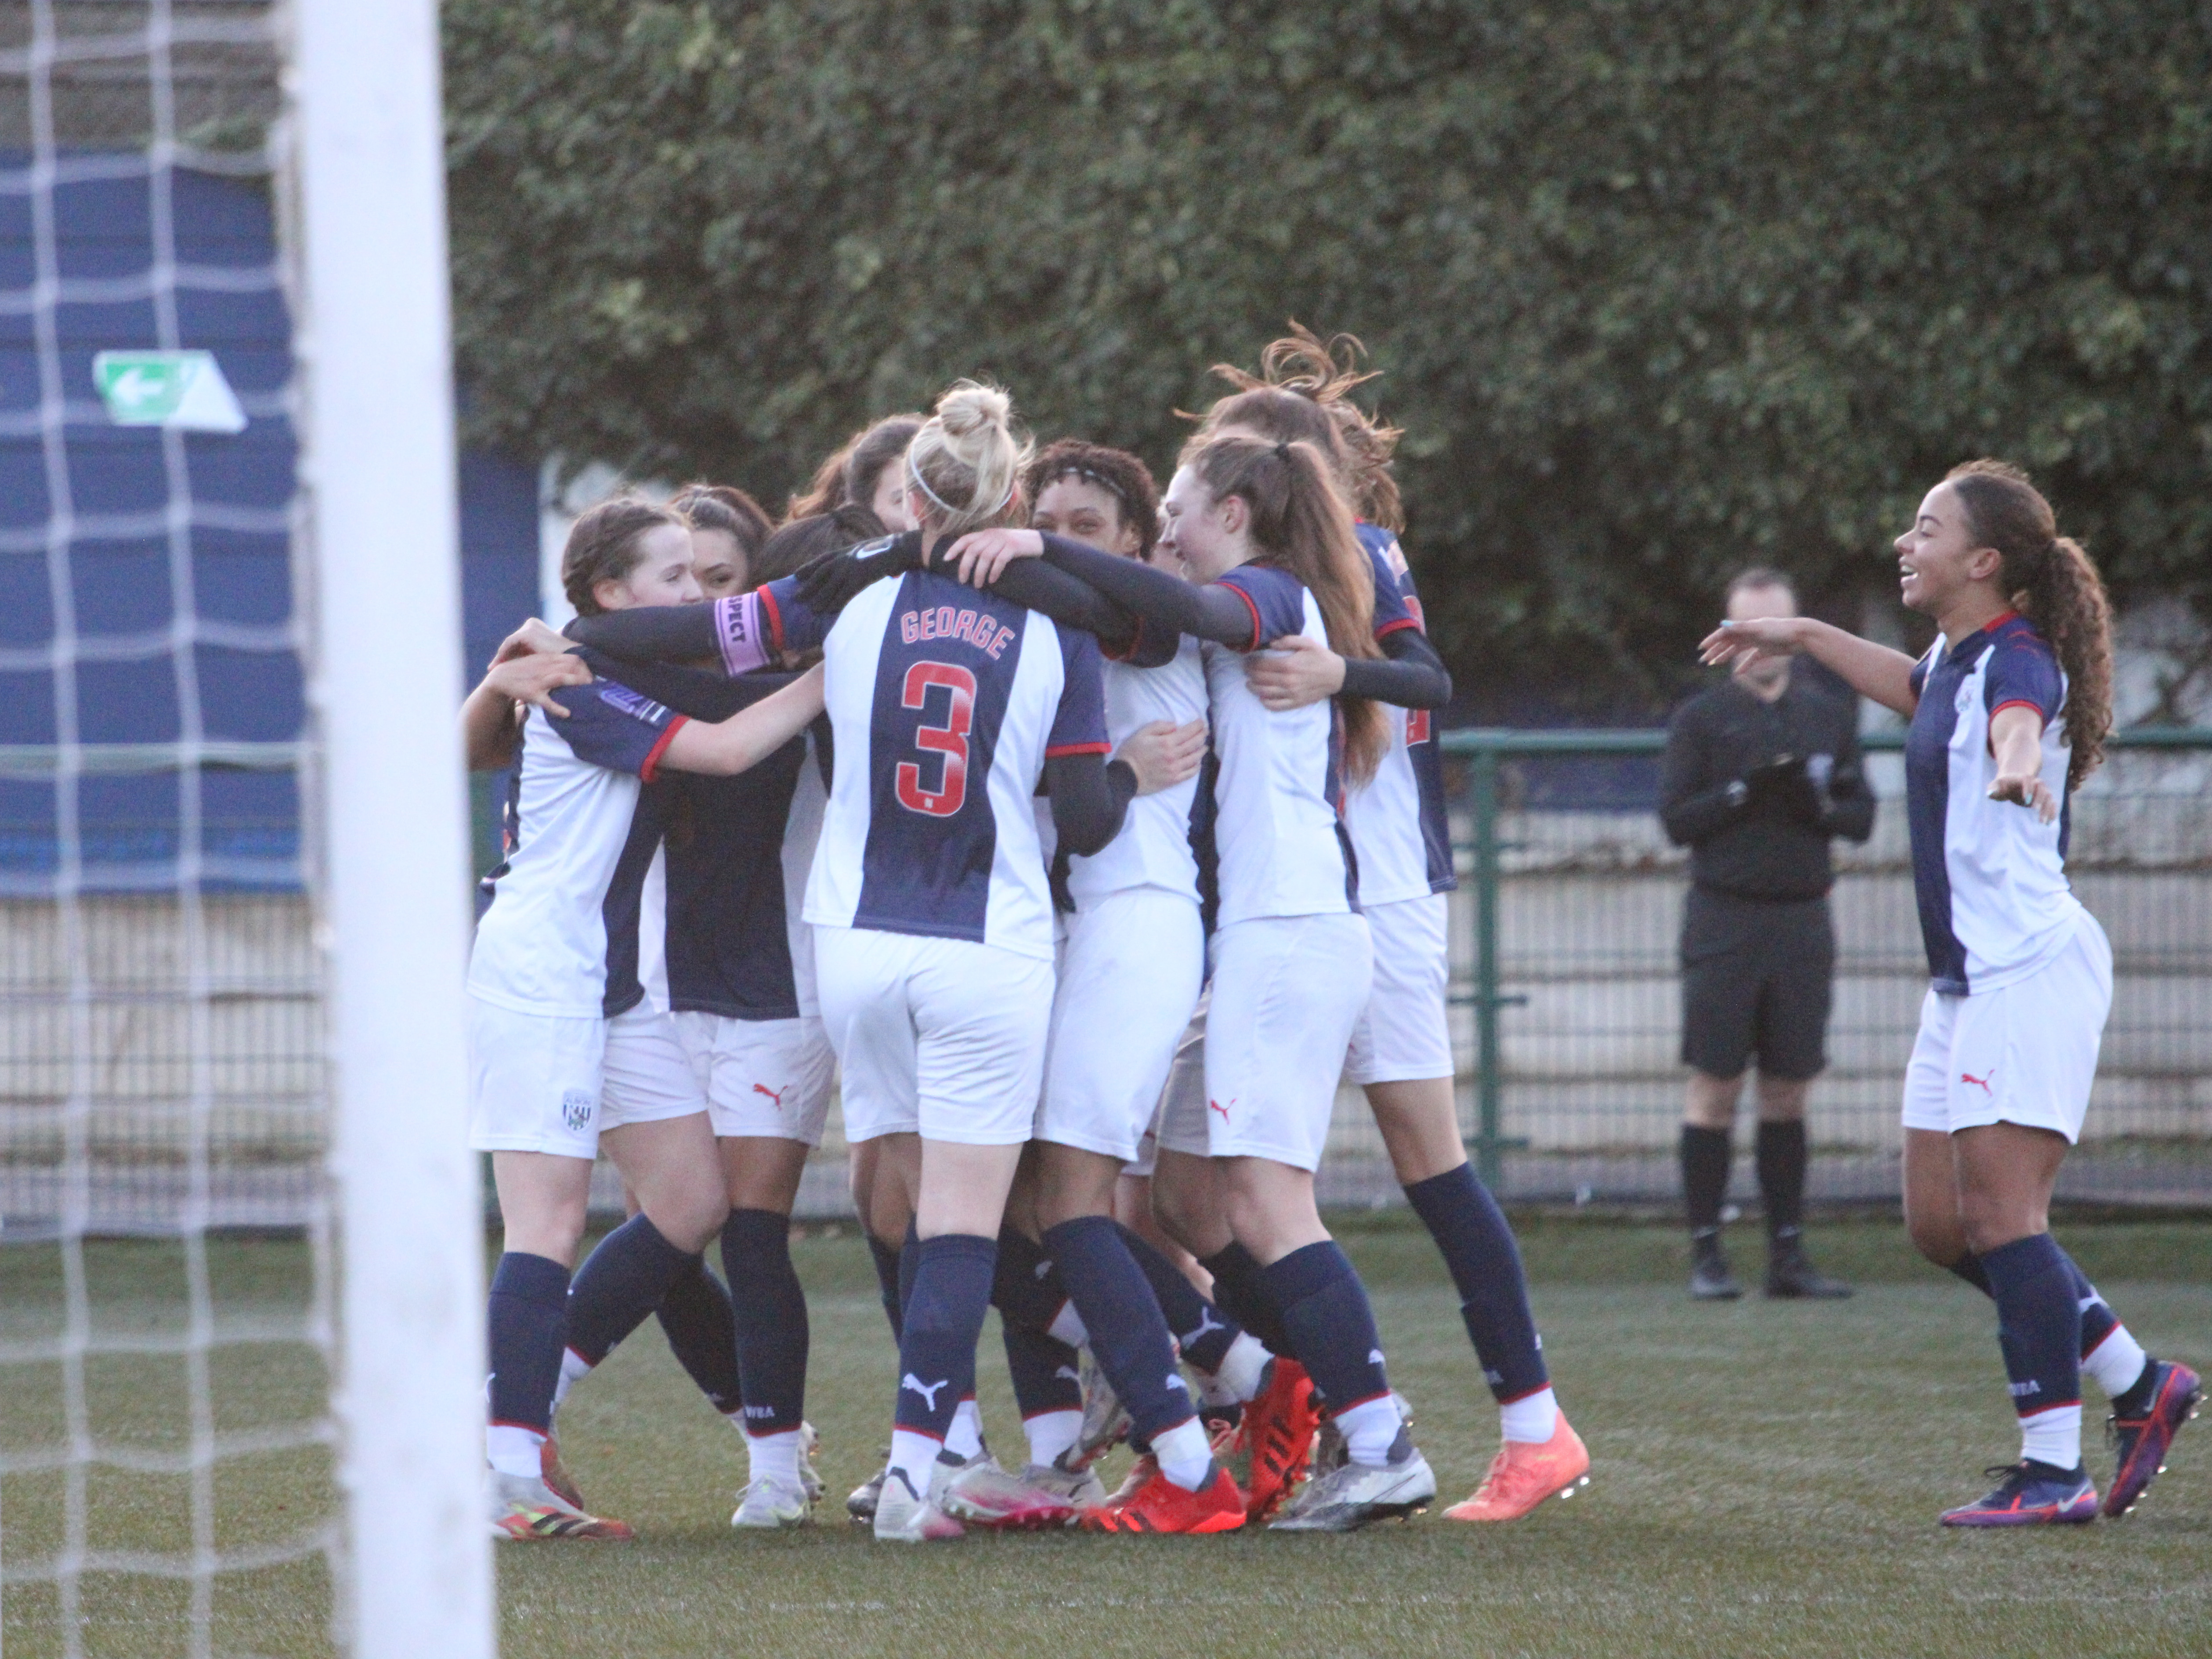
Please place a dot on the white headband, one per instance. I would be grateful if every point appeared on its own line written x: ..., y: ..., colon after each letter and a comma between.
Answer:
x: 950, y: 511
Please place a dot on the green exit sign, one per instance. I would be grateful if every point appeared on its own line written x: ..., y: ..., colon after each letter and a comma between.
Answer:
x: 181, y: 389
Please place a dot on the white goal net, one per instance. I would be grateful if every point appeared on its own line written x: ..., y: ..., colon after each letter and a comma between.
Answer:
x: 232, y: 864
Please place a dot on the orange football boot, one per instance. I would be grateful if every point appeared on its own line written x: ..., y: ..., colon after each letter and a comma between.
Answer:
x: 1523, y: 1474
x: 1160, y: 1506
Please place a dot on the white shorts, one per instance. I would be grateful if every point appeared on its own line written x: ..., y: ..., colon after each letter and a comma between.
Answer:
x: 1129, y: 975
x: 1183, y: 1102
x: 943, y: 1037
x: 1287, y: 990
x: 556, y: 1083
x: 2024, y: 1053
x: 1403, y: 1032
x: 765, y: 1078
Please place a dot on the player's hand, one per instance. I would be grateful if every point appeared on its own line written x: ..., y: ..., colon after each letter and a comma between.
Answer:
x: 1733, y: 644
x: 1163, y: 754
x: 1293, y: 671
x: 982, y: 555
x: 532, y: 638
x: 533, y: 677
x: 2025, y: 789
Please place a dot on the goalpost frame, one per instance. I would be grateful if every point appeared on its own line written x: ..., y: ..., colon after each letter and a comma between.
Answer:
x: 378, y: 479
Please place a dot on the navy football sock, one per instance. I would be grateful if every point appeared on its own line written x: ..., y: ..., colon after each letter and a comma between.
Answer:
x: 1198, y: 1327
x: 1240, y: 1288
x: 1969, y: 1268
x: 943, y: 1317
x: 909, y: 1261
x: 1331, y: 1325
x: 1705, y: 1155
x: 772, y: 1333
x: 1128, y: 1334
x: 2038, y: 1322
x: 1047, y: 1373
x: 529, y: 1314
x: 2098, y: 1319
x: 1027, y: 1287
x: 619, y: 1284
x: 695, y: 1315
x: 1478, y: 1247
x: 887, y: 1280
x: 1779, y: 1153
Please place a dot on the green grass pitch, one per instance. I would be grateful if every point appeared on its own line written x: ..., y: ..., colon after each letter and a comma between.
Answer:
x: 1765, y: 1482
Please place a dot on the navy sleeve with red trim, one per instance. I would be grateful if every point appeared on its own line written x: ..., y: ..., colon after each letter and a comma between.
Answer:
x: 1276, y: 598
x: 2023, y: 673
x: 609, y: 724
x: 1079, y: 726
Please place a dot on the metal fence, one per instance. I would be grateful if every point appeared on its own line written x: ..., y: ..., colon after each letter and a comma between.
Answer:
x: 1567, y: 1010
x: 131, y: 1023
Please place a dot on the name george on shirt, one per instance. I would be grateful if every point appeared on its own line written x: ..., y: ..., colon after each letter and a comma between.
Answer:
x: 985, y: 632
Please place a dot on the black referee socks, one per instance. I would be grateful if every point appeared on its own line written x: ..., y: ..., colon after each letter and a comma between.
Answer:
x: 1705, y: 1156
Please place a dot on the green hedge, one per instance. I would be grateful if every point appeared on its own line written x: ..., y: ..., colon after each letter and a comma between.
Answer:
x: 1660, y: 286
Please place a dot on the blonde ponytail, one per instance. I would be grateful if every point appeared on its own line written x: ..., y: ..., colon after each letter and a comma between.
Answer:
x: 967, y: 460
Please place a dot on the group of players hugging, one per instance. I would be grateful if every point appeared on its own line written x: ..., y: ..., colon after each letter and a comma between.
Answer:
x: 1084, y: 838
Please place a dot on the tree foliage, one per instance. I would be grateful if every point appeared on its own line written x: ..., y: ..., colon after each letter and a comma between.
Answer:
x: 1659, y: 287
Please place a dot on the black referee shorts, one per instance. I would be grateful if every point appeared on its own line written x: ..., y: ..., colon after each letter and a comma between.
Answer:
x: 1757, y: 981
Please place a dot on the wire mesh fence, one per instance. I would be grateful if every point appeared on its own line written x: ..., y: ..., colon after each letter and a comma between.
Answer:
x: 1567, y: 999
x: 1576, y: 1097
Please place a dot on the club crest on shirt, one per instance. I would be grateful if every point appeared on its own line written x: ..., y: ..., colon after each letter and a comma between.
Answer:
x: 633, y: 703
x: 576, y: 1108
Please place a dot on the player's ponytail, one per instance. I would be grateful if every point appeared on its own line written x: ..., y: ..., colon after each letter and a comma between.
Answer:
x: 966, y: 462
x: 2051, y: 581
x: 606, y: 542
x: 1300, y: 524
x: 1302, y: 369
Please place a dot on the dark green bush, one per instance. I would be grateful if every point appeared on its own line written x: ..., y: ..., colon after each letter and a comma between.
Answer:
x: 1660, y: 286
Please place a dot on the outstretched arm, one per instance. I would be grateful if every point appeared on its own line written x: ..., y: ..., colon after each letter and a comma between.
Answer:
x: 1036, y: 585
x: 1167, y: 604
x: 651, y: 633
x: 1872, y: 671
x: 750, y: 736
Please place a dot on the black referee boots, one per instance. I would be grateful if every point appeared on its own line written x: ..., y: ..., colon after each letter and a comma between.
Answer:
x: 1790, y: 1275
x: 1710, y: 1277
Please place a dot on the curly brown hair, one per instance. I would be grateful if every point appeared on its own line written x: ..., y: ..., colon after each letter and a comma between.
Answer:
x: 2051, y: 582
x: 1116, y: 471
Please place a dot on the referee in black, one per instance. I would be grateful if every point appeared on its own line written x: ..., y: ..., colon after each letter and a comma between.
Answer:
x: 1761, y: 771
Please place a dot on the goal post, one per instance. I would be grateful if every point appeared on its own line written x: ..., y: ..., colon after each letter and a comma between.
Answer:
x: 378, y: 516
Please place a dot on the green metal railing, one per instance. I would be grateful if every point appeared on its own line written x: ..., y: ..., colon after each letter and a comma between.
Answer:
x: 1484, y: 751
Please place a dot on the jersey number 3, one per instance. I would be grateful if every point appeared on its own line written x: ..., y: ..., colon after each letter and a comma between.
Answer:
x: 949, y: 740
